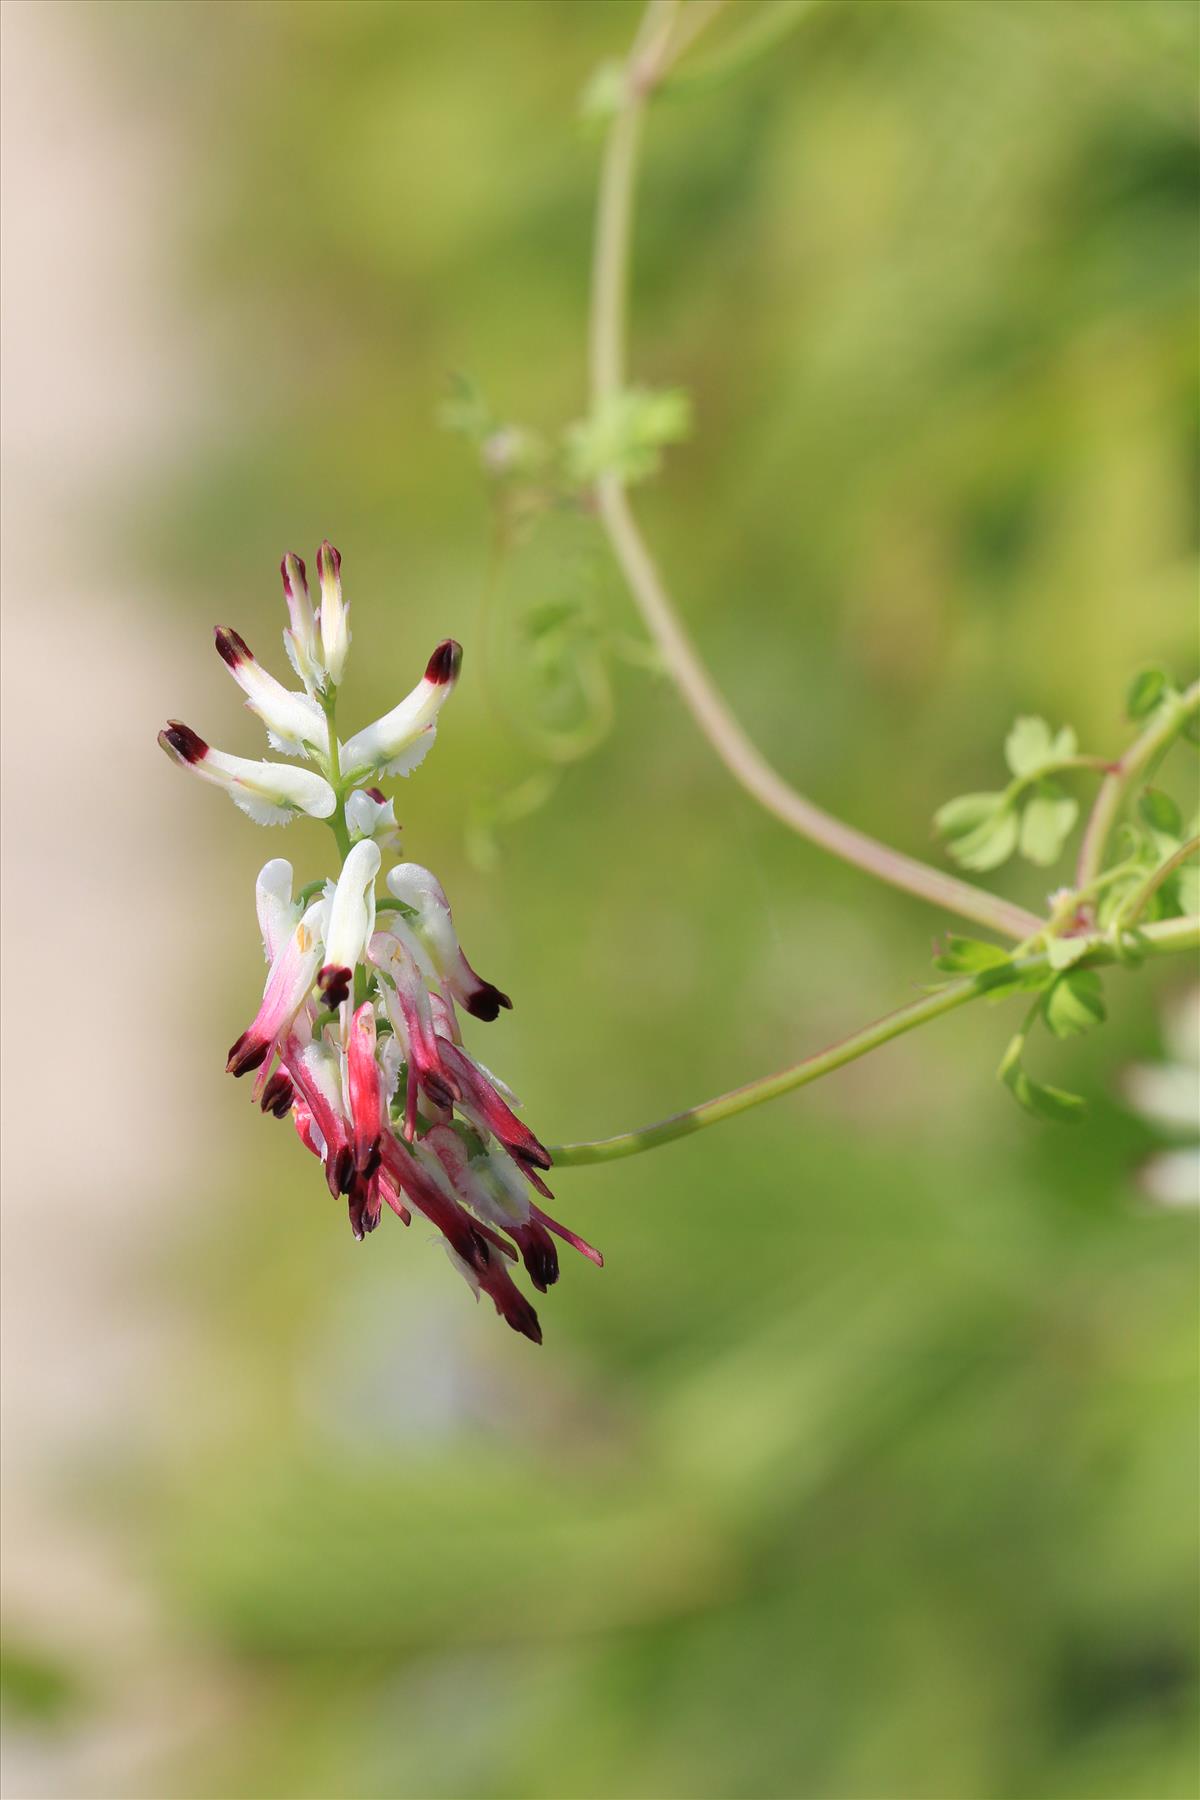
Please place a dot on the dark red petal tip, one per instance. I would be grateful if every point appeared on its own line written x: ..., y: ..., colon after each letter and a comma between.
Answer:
x: 375, y: 794
x: 520, y: 1315
x: 231, y: 648
x: 185, y: 742
x: 532, y: 1153
x: 539, y: 1255
x: 329, y: 560
x: 333, y: 983
x: 444, y: 664
x: 486, y: 1001
x: 341, y: 1171
x: 246, y: 1054
x: 278, y: 1095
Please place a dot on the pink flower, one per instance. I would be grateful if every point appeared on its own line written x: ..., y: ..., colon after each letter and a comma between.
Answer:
x: 357, y: 1035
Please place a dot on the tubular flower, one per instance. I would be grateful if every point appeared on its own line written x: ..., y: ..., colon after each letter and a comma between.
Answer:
x: 395, y: 744
x: 423, y: 893
x: 295, y: 723
x: 357, y: 1037
x: 270, y: 793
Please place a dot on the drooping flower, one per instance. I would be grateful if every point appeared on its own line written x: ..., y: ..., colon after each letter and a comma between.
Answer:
x: 421, y: 891
x: 357, y: 1037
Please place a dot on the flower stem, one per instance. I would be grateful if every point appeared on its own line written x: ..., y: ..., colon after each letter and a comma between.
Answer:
x: 1163, y: 728
x: 1172, y: 936
x: 712, y: 714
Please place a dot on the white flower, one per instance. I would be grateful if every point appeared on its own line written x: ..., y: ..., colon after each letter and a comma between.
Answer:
x: 295, y: 723
x: 418, y: 888
x: 369, y: 815
x: 351, y: 921
x: 395, y: 744
x: 277, y: 913
x: 270, y: 793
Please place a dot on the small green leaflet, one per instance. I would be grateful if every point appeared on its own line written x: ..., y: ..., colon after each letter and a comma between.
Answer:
x: 966, y: 956
x: 1046, y: 823
x: 980, y: 829
x: 1161, y: 813
x: 1145, y: 692
x: 1031, y: 745
x: 1074, y: 1004
x: 1061, y: 952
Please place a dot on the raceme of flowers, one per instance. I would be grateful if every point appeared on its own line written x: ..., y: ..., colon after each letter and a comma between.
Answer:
x: 357, y: 1038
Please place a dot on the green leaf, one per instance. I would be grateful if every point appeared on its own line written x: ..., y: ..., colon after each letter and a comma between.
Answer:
x: 627, y: 433
x: 1046, y: 823
x: 1145, y: 692
x: 1161, y: 813
x: 1028, y: 746
x: 1031, y: 746
x: 1074, y: 1004
x: 1061, y: 952
x: 1042, y: 1101
x: 980, y: 829
x: 1190, y: 729
x: 966, y: 956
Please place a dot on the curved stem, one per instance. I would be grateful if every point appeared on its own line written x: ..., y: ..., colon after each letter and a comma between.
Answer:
x: 708, y: 707
x: 1156, y: 738
x: 1140, y: 898
x: 1172, y: 936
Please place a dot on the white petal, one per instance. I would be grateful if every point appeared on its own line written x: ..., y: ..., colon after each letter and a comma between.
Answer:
x: 352, y: 914
x: 277, y: 913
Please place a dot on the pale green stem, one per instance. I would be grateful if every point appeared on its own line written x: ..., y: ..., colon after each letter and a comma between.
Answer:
x: 1172, y: 936
x: 610, y: 271
x: 1138, y: 901
x: 1154, y: 741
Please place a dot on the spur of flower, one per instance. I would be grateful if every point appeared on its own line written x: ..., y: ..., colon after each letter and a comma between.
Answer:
x: 358, y: 1036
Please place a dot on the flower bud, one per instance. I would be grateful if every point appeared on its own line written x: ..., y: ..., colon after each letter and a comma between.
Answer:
x: 300, y: 640
x: 369, y: 815
x: 335, y: 614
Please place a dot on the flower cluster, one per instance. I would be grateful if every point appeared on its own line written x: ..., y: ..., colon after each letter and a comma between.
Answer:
x: 358, y: 1038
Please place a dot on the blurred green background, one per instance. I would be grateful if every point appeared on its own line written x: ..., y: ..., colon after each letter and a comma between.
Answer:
x: 868, y: 1467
